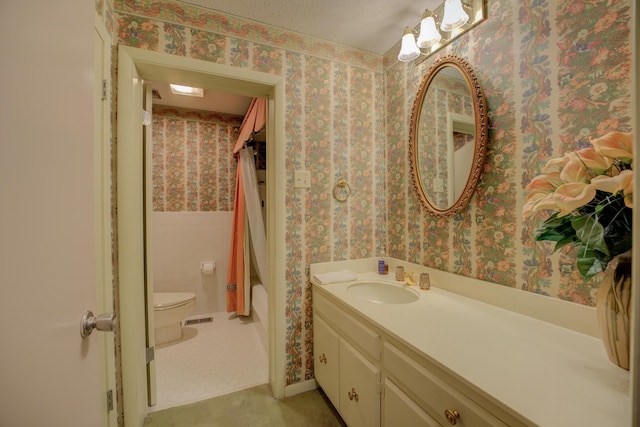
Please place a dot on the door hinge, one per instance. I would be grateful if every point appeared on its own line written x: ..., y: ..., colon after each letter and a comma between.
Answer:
x: 146, y: 118
x: 151, y: 354
x: 110, y: 400
x: 104, y: 89
x: 380, y: 388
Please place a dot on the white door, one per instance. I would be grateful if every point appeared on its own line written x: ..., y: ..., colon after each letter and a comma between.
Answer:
x: 49, y: 376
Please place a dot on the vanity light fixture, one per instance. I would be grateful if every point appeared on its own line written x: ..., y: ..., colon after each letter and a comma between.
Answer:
x: 429, y: 34
x: 187, y: 90
x: 454, y: 15
x: 409, y: 50
x: 458, y: 16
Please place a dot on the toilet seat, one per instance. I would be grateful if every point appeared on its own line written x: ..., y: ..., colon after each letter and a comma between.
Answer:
x: 169, y: 300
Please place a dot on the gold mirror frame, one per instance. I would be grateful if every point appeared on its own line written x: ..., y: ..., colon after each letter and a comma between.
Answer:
x: 480, y: 137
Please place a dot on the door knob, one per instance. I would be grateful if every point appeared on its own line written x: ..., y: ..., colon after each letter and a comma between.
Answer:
x: 104, y: 322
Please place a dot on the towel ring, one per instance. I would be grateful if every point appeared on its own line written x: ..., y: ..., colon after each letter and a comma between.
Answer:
x: 341, y: 190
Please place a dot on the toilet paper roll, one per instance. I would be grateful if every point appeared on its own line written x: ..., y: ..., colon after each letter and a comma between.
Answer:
x: 207, y: 267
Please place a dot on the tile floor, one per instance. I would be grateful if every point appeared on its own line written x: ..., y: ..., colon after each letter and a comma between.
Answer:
x: 210, y: 360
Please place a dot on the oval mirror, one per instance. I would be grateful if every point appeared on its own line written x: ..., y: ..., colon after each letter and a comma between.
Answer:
x: 448, y: 136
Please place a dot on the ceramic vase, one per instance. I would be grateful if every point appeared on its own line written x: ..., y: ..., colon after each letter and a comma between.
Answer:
x: 613, y: 307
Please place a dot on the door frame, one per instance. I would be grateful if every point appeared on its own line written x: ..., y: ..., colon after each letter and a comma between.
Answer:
x: 102, y: 203
x: 135, y: 64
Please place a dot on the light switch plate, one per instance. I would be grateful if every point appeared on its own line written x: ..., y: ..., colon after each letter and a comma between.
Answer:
x: 302, y: 179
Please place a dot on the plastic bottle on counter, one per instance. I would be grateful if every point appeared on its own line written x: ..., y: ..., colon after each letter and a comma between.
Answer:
x: 383, y: 267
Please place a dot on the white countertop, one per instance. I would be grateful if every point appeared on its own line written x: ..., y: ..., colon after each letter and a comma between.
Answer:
x: 551, y: 375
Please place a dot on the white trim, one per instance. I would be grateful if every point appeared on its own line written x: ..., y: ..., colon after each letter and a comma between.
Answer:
x: 131, y: 240
x: 162, y: 67
x: 276, y: 183
x: 301, y: 387
x: 102, y: 201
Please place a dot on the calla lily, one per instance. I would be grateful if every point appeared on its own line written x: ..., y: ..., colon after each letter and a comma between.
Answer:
x: 628, y: 201
x: 538, y: 202
x: 574, y: 171
x: 628, y: 185
x: 556, y: 164
x: 590, y: 158
x: 586, y: 190
x: 571, y: 196
x: 546, y: 183
x: 615, y: 144
x: 628, y: 192
x: 612, y: 184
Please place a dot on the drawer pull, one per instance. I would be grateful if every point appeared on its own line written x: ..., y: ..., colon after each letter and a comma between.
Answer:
x: 323, y: 358
x: 353, y: 395
x: 452, y: 416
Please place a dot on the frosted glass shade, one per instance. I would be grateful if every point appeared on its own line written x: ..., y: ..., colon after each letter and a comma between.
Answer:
x: 408, y: 50
x: 429, y: 34
x: 454, y: 15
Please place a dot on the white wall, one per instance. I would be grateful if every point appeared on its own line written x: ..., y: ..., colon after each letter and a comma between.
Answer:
x: 181, y: 240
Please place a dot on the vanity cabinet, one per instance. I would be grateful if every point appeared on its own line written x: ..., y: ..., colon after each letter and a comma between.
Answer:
x: 359, y: 388
x: 351, y: 380
x: 448, y: 358
x: 354, y: 361
x: 400, y: 410
x: 326, y: 344
x: 432, y: 391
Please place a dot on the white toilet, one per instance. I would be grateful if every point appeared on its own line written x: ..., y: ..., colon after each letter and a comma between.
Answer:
x: 169, y: 310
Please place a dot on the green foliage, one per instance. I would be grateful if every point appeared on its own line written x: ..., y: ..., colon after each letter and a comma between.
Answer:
x: 601, y: 230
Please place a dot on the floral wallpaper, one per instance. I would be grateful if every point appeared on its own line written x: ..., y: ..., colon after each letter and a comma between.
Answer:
x: 334, y: 128
x: 554, y: 74
x: 193, y: 164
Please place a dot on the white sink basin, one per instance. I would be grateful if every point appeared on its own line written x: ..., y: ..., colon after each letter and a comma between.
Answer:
x: 383, y: 292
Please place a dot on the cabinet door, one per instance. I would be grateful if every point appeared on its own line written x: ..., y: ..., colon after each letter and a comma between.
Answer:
x: 443, y: 402
x: 399, y: 410
x: 359, y: 388
x: 326, y: 351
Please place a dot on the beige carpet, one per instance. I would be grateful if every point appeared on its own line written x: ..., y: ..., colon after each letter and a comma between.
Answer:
x: 253, y: 407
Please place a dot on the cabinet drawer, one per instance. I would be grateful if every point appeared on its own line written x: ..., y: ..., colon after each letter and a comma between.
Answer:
x: 359, y: 388
x: 349, y: 327
x: 399, y: 410
x: 326, y: 351
x: 433, y: 393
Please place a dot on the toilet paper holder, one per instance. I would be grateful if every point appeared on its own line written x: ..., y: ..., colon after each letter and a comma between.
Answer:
x: 207, y: 267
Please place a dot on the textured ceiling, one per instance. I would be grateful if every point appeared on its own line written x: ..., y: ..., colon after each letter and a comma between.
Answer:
x: 371, y: 25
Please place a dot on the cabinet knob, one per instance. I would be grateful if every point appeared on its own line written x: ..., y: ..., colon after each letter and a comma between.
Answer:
x: 323, y: 358
x: 353, y: 395
x: 452, y: 416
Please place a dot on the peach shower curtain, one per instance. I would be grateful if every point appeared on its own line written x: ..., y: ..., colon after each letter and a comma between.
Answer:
x: 238, y: 289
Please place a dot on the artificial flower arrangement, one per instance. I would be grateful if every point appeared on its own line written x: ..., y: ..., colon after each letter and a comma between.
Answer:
x: 591, y: 194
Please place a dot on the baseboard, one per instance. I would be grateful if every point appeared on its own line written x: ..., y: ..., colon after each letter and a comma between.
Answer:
x: 301, y: 387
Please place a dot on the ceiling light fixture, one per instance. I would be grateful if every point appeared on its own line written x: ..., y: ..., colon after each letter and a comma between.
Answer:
x: 187, y: 90
x: 458, y: 17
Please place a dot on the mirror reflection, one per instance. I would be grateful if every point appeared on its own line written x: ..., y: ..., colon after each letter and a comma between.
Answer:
x: 448, y: 136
